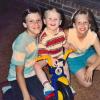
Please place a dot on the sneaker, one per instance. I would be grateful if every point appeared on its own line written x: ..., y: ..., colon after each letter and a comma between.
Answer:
x: 6, y: 88
x: 48, y: 91
x: 73, y: 91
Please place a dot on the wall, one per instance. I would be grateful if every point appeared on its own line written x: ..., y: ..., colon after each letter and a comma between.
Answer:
x: 69, y: 6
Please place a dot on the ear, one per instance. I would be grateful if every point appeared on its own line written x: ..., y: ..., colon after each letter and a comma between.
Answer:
x: 60, y: 22
x: 74, y: 25
x: 89, y: 25
x: 44, y: 21
x: 24, y: 24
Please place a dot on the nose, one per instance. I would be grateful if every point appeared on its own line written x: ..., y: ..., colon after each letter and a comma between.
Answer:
x: 37, y: 24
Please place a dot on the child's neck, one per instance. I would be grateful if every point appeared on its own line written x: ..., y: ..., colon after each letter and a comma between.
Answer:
x: 53, y: 32
x: 81, y: 37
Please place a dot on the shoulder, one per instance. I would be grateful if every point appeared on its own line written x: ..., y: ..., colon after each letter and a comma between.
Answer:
x: 93, y: 33
x: 70, y: 30
x: 20, y: 37
x: 66, y: 31
x: 42, y: 35
x: 20, y: 41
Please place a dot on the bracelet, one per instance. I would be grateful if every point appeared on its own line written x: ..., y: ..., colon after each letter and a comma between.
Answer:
x: 45, y: 82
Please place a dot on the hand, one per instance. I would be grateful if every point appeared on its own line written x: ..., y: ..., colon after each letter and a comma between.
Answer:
x: 27, y: 98
x: 54, y: 60
x: 69, y: 46
x: 89, y: 74
x: 32, y: 98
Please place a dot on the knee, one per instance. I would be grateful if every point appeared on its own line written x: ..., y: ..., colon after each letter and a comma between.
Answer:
x: 86, y: 84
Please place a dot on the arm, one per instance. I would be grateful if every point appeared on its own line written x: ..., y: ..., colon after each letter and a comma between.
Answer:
x: 21, y: 82
x: 97, y: 46
x: 96, y: 62
x: 39, y: 71
x: 66, y: 71
x: 40, y: 64
x: 66, y: 44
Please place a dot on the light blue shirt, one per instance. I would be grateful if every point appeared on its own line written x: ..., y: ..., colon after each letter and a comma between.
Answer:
x: 25, y: 49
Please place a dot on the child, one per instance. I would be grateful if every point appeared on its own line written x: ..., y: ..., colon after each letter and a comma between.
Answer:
x: 51, y: 42
x: 83, y: 37
x: 21, y: 73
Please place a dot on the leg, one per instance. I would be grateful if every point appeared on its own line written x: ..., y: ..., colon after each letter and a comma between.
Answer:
x: 94, y: 60
x: 42, y: 77
x: 77, y: 65
x: 81, y: 78
x: 16, y: 92
x: 35, y: 88
x: 39, y: 71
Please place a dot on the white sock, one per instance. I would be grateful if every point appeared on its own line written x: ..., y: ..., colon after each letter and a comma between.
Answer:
x: 73, y: 91
x: 48, y: 87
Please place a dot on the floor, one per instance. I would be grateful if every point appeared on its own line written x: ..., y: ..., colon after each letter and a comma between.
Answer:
x: 10, y: 27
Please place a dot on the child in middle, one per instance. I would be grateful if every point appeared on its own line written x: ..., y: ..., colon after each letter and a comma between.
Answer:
x: 51, y: 43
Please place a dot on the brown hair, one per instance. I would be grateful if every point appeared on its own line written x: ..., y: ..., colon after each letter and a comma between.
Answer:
x: 90, y: 15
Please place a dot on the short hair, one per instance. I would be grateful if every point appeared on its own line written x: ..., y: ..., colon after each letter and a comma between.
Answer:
x: 29, y: 11
x: 51, y: 9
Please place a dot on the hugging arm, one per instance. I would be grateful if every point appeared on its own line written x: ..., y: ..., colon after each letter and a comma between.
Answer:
x: 21, y: 82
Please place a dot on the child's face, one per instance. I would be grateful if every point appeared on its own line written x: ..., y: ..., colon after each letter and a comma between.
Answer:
x: 33, y: 23
x: 52, y: 20
x: 82, y: 25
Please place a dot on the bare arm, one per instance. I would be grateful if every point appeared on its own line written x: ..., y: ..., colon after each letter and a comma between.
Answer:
x: 97, y: 46
x: 66, y: 71
x: 96, y: 62
x: 21, y: 82
x: 39, y: 72
x: 68, y: 45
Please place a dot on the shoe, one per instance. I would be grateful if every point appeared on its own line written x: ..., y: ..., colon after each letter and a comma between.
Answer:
x: 6, y: 88
x: 73, y: 91
x: 48, y: 91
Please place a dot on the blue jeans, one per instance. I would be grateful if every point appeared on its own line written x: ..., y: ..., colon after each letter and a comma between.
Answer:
x: 34, y: 87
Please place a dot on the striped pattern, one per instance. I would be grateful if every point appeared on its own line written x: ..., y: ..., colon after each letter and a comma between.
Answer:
x: 52, y: 44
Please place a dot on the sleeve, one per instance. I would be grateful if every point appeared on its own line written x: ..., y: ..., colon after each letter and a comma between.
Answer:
x: 18, y: 56
x: 42, y: 49
x: 65, y: 38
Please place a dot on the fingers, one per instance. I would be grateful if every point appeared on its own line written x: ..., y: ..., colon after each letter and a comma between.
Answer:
x: 88, y: 75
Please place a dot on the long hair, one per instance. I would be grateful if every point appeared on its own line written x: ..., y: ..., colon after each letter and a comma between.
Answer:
x: 90, y: 15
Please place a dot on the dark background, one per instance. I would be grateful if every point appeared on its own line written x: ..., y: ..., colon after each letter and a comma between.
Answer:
x: 11, y: 26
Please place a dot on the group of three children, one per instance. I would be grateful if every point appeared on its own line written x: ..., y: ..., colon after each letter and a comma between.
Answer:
x: 23, y: 71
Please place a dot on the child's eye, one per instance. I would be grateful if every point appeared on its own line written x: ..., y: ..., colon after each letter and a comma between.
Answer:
x: 79, y: 23
x: 86, y: 23
x: 55, y: 19
x: 38, y: 20
x: 31, y: 21
x: 49, y: 18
